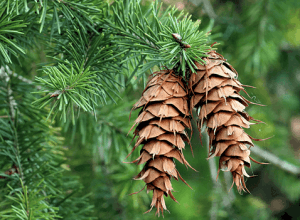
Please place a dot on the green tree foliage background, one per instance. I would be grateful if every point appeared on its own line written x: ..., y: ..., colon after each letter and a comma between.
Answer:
x: 72, y: 70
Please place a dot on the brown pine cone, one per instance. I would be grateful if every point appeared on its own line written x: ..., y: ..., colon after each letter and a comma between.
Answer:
x: 160, y: 128
x: 215, y: 90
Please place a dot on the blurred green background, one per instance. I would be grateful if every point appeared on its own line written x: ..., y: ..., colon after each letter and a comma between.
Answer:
x: 261, y: 40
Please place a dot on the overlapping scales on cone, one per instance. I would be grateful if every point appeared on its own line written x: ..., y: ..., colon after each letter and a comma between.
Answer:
x: 161, y: 129
x: 215, y: 90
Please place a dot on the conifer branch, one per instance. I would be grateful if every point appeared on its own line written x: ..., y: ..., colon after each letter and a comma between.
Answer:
x: 153, y: 35
x: 227, y: 198
x: 111, y: 125
x: 12, y: 112
x: 21, y: 78
x: 230, y: 196
x: 216, y: 184
x: 10, y: 99
x: 275, y: 160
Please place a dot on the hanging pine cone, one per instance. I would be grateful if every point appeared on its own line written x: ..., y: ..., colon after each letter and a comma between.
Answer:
x: 215, y: 90
x: 160, y: 128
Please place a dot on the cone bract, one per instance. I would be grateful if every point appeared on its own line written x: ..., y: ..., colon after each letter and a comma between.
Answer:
x: 161, y: 129
x: 216, y: 91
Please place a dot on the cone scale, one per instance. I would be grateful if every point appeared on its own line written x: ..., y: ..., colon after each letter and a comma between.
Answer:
x: 160, y: 129
x: 216, y: 95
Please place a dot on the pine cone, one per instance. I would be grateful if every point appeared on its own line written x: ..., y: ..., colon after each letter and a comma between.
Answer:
x: 160, y: 128
x: 216, y: 90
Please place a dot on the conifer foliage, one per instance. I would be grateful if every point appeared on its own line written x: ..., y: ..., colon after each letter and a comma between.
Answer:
x: 64, y: 65
x: 161, y: 128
